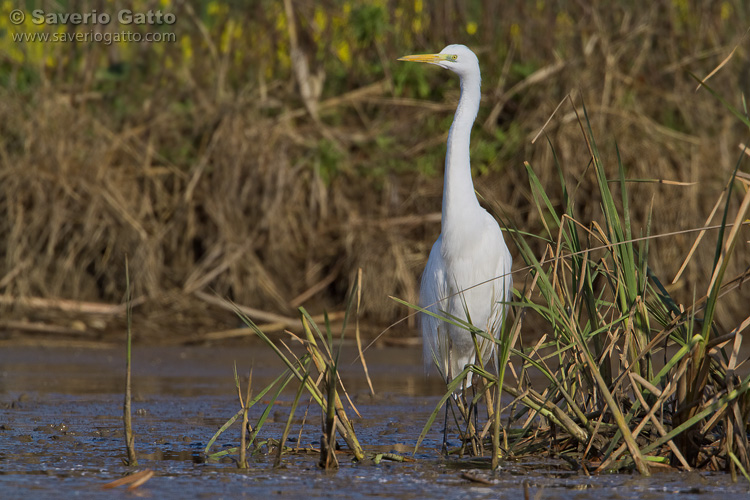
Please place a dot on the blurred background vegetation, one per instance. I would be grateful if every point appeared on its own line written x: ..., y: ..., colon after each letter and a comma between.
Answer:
x: 275, y: 147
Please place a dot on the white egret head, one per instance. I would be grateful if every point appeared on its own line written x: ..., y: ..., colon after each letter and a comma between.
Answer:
x: 457, y: 58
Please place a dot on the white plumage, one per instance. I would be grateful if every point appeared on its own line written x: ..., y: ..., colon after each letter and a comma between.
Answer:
x: 469, y: 267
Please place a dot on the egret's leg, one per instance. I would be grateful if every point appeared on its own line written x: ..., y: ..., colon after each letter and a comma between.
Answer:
x: 444, y: 449
x: 464, y: 425
x: 474, y: 411
x: 471, y: 421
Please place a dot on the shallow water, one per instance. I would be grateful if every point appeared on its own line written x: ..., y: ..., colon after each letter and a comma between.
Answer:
x: 61, y: 433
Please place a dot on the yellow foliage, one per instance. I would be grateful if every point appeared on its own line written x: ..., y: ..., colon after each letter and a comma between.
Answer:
x: 281, y: 23
x: 683, y: 10
x: 416, y: 25
x: 564, y: 21
x: 343, y: 52
x: 27, y: 52
x: 515, y: 33
x: 226, y: 36
x: 213, y: 8
x: 320, y: 21
x: 726, y: 11
x: 282, y: 56
x: 471, y: 27
x: 186, y: 44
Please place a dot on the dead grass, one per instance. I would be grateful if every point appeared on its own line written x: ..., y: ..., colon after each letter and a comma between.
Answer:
x: 212, y: 175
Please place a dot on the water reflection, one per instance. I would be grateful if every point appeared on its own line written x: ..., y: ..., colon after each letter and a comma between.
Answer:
x: 192, y: 371
x: 61, y: 431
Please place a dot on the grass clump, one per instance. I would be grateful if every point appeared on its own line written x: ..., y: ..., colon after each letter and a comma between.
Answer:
x: 316, y: 373
x: 623, y: 376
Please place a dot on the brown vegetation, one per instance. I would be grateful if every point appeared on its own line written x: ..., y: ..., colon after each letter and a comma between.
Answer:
x: 201, y: 161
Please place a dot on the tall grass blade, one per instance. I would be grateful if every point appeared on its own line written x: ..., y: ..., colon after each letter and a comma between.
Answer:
x: 245, y: 408
x: 127, y: 415
x: 289, y: 420
x: 357, y: 335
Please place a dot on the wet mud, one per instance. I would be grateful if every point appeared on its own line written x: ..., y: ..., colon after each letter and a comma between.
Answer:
x: 61, y: 433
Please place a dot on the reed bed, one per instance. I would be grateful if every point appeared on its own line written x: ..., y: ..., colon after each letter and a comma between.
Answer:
x: 218, y: 164
x: 633, y: 379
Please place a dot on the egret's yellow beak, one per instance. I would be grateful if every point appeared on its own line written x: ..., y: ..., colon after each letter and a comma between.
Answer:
x: 426, y: 58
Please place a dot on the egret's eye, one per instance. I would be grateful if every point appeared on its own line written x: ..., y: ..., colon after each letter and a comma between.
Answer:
x: 454, y: 57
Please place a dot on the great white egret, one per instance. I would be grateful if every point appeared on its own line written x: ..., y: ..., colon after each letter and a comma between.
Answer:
x: 468, y: 272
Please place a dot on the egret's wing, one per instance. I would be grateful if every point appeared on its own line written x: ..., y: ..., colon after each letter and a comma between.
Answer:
x: 434, y: 288
x: 503, y: 291
x: 493, y: 268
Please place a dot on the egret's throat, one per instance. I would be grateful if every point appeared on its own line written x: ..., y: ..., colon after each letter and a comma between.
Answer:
x: 459, y: 200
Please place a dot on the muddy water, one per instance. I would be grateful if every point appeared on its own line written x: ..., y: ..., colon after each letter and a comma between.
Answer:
x: 61, y: 433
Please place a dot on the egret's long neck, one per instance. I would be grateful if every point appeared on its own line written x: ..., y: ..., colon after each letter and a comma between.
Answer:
x: 459, y: 200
